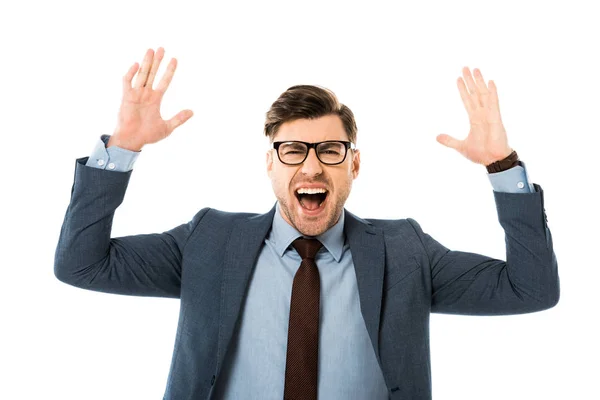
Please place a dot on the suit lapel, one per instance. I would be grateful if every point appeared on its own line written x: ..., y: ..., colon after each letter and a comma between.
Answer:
x: 368, y: 255
x: 245, y: 242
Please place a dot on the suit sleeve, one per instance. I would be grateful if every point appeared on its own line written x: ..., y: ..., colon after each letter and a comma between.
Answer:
x: 87, y: 257
x: 474, y: 284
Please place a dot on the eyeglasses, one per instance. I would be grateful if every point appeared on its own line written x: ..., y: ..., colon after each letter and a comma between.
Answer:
x: 330, y: 152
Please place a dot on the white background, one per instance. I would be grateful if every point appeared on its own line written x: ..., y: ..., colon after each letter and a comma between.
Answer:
x: 395, y: 65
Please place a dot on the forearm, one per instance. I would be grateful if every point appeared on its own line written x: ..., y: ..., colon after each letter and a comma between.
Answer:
x: 532, y: 268
x: 85, y: 234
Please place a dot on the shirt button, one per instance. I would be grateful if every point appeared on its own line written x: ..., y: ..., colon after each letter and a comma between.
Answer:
x: 520, y: 185
x: 100, y: 162
x: 111, y: 165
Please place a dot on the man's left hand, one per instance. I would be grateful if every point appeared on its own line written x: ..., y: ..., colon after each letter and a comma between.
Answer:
x: 487, y: 141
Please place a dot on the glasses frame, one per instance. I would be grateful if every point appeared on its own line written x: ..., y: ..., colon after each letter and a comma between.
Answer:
x: 347, y: 145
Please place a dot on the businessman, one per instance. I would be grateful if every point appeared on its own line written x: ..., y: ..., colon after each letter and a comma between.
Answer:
x: 308, y: 300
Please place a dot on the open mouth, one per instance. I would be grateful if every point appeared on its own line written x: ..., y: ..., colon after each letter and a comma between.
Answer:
x: 311, y: 199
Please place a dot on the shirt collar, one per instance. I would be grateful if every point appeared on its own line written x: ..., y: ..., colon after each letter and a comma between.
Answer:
x: 283, y: 234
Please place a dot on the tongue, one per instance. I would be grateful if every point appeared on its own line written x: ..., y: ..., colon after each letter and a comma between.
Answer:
x: 310, y: 201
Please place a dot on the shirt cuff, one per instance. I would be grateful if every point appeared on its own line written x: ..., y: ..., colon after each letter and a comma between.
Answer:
x: 113, y: 158
x: 513, y: 180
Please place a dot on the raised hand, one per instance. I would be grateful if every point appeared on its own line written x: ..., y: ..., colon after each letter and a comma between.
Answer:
x: 139, y: 121
x: 487, y: 141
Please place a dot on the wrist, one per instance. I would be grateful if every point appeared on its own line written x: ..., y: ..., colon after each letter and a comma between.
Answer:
x: 119, y: 141
x: 506, y: 163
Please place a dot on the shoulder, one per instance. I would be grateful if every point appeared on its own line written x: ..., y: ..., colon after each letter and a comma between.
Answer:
x: 217, y: 225
x: 213, y: 214
x: 400, y: 236
x: 388, y: 226
x: 395, y: 226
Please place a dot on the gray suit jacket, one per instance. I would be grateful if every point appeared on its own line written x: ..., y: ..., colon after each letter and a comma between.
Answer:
x: 403, y: 275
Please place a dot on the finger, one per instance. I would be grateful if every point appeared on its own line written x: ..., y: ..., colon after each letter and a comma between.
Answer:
x: 140, y: 80
x: 493, y: 94
x: 469, y: 80
x: 129, y: 76
x: 481, y: 87
x: 167, y: 77
x: 465, y: 96
x: 494, y: 105
x: 179, y: 119
x: 155, y: 64
x: 471, y: 85
x: 448, y: 141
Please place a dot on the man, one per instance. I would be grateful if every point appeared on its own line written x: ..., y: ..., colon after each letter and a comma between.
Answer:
x: 266, y: 310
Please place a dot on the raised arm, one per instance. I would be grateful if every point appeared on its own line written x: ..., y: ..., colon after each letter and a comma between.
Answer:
x: 86, y: 256
x: 470, y: 283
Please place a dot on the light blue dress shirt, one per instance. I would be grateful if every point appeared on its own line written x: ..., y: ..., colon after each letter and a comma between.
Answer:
x: 254, y: 367
x: 255, y: 363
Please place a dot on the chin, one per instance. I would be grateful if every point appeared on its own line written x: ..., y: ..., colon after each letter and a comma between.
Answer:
x: 311, y: 225
x: 311, y: 229
x: 311, y: 216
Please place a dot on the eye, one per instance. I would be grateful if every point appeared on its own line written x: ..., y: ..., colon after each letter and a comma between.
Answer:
x: 330, y: 149
x: 292, y: 151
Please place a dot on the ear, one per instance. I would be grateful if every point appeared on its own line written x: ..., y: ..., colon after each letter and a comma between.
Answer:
x: 355, y: 163
x: 269, y: 162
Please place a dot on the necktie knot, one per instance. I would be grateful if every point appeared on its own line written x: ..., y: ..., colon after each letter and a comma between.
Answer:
x: 307, y: 248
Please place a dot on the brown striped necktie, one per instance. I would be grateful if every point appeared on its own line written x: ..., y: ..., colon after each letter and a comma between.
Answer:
x: 303, y: 332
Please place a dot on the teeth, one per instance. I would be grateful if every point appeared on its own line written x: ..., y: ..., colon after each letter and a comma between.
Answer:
x: 311, y: 190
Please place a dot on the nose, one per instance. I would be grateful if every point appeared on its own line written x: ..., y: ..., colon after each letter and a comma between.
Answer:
x: 312, y: 166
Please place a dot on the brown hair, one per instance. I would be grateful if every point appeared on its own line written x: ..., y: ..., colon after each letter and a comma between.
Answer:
x: 307, y: 101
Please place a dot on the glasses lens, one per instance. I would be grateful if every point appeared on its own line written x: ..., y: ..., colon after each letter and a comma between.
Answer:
x: 292, y: 152
x: 331, y: 152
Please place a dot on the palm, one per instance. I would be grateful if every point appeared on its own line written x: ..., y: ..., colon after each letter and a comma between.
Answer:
x: 140, y: 112
x: 139, y: 119
x: 487, y: 140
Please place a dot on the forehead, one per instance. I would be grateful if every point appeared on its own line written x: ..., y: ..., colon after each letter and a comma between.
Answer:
x: 329, y: 127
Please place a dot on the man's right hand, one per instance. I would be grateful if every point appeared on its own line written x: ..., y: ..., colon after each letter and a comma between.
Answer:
x: 139, y: 122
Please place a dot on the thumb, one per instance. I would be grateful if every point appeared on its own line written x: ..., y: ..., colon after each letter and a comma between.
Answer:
x: 179, y: 119
x: 448, y: 141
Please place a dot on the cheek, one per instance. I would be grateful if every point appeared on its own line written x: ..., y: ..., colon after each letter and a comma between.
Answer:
x: 281, y: 180
x: 343, y: 180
